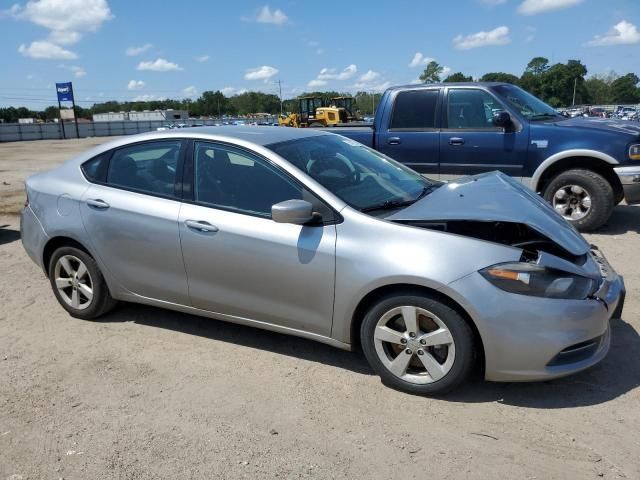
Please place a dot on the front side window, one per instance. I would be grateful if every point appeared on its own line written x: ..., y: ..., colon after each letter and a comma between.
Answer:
x: 360, y: 176
x: 415, y: 110
x: 233, y: 179
x: 148, y: 167
x: 471, y: 108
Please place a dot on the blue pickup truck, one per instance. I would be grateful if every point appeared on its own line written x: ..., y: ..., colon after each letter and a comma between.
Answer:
x: 582, y: 166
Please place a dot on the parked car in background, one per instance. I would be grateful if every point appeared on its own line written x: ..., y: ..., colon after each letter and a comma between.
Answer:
x: 308, y: 233
x: 582, y: 166
x: 597, y: 112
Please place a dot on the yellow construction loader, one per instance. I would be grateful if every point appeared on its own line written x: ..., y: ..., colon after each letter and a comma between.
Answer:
x: 312, y: 112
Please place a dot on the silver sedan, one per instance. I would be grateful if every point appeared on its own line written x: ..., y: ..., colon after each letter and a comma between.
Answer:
x: 308, y: 233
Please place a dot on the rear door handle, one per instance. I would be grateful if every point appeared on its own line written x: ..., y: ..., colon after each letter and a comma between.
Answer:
x: 456, y: 141
x: 97, y: 203
x: 201, y: 226
x: 394, y: 141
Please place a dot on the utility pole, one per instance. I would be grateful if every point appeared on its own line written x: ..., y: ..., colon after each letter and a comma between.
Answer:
x: 575, y: 82
x: 279, y: 82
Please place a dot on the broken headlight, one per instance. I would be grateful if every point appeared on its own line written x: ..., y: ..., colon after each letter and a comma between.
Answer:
x: 538, y: 281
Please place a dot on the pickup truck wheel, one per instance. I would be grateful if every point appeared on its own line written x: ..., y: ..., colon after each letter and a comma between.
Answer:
x: 582, y: 197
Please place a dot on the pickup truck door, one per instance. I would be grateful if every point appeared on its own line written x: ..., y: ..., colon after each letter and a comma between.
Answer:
x: 410, y: 134
x: 469, y: 141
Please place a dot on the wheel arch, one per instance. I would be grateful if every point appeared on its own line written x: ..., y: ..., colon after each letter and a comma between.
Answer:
x: 56, y: 242
x: 598, y: 162
x: 376, y: 294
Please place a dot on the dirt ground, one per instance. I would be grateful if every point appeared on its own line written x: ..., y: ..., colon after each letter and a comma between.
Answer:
x: 148, y: 393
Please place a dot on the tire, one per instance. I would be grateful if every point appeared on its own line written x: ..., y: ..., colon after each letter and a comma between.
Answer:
x: 565, y: 187
x: 72, y: 291
x: 388, y: 349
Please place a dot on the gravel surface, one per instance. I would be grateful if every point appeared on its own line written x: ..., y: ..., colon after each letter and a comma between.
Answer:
x: 148, y: 393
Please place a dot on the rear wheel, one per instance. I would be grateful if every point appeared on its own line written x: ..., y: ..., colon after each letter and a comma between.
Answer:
x: 582, y: 197
x: 78, y: 284
x: 417, y: 344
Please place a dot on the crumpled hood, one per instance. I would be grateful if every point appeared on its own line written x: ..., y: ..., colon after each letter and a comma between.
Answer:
x: 495, y: 197
x: 608, y: 124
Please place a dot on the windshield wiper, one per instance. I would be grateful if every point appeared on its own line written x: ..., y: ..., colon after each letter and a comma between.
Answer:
x: 393, y: 204
x: 541, y: 116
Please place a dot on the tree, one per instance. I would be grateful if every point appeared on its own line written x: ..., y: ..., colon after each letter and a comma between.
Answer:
x: 458, y: 77
x: 537, y: 65
x: 500, y: 77
x: 432, y: 73
x: 625, y: 89
x: 599, y: 89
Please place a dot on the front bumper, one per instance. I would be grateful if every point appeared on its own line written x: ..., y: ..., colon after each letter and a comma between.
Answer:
x: 532, y: 338
x: 630, y: 180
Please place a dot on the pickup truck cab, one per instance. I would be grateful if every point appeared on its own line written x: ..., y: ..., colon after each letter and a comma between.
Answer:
x: 582, y: 166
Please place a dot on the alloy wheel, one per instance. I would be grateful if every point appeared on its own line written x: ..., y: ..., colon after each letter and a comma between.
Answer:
x: 73, y: 282
x: 414, y: 344
x: 573, y: 202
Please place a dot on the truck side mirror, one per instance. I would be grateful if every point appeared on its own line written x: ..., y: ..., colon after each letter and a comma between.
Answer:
x: 502, y: 119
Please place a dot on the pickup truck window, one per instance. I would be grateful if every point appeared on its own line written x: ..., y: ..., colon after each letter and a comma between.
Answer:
x: 526, y: 104
x: 360, y: 176
x: 471, y: 109
x: 415, y: 110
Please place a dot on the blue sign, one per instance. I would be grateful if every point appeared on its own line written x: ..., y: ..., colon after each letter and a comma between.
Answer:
x: 65, y: 92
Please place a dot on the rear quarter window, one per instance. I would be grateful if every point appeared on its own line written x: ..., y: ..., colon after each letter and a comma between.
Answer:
x: 95, y: 170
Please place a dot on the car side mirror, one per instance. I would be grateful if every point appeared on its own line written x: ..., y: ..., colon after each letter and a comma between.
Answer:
x: 297, y: 212
x: 502, y: 119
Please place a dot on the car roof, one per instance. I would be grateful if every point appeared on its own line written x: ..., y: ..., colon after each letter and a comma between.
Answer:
x: 414, y: 86
x: 258, y: 135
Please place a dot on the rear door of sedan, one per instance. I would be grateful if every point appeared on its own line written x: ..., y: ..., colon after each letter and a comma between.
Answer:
x: 240, y: 262
x: 130, y: 212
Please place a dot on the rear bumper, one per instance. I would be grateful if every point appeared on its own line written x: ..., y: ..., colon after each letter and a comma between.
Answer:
x: 630, y: 180
x: 33, y: 235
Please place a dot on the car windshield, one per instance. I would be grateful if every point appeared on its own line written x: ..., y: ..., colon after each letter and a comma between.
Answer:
x: 529, y: 106
x: 360, y: 176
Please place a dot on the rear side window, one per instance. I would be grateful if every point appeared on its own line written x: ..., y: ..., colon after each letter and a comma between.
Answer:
x: 148, y: 167
x: 415, y: 109
x: 96, y: 169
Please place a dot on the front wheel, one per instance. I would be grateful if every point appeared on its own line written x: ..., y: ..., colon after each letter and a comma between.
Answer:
x: 417, y: 344
x: 584, y: 198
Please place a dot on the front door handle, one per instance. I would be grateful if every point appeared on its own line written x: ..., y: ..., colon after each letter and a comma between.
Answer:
x: 97, y: 203
x: 456, y: 141
x: 394, y: 141
x: 201, y: 226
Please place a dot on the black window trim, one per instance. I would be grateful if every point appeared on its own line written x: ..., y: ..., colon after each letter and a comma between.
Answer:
x: 188, y: 180
x: 445, y: 113
x: 436, y: 113
x: 179, y: 169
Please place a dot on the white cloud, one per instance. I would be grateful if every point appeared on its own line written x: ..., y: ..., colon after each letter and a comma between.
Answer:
x: 420, y: 60
x: 370, y: 76
x: 533, y: 7
x: 316, y: 83
x: 146, y: 98
x: 135, y: 85
x: 623, y: 33
x: 226, y: 91
x: 190, y: 91
x: 445, y: 71
x: 133, y: 51
x: 159, y: 65
x: 331, y: 74
x: 276, y: 17
x: 46, y: 50
x: 497, y: 36
x: 372, y: 87
x: 67, y: 20
x: 202, y: 58
x: 264, y: 72
x: 319, y: 51
x: 79, y: 72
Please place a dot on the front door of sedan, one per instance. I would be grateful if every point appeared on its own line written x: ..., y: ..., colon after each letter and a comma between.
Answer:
x: 131, y: 212
x: 240, y: 262
x: 469, y: 141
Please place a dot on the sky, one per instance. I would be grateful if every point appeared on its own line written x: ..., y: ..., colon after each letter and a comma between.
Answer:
x: 126, y: 50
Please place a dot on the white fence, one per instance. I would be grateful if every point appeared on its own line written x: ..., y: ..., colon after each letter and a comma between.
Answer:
x: 13, y: 132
